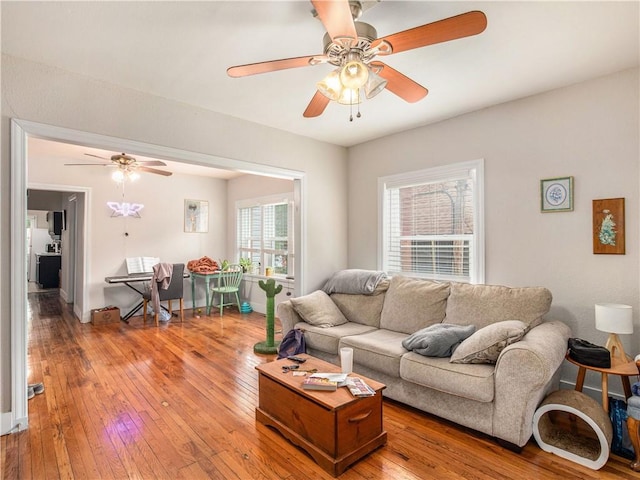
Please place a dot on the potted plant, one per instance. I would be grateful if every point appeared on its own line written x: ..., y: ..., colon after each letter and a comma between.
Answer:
x: 246, y: 264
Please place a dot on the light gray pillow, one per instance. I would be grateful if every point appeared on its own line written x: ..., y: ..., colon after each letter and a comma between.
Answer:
x: 438, y: 340
x: 485, y: 345
x: 318, y: 309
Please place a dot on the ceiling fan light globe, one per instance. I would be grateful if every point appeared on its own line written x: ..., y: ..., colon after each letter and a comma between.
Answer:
x: 133, y: 176
x: 354, y: 74
x: 375, y: 84
x: 330, y: 85
x: 350, y: 96
x: 118, y: 176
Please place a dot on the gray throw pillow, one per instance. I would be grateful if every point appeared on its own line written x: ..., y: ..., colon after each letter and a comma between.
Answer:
x: 438, y: 340
x: 318, y: 309
x: 485, y: 345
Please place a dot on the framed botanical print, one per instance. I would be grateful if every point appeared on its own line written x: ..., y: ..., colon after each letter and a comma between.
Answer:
x: 608, y: 226
x: 196, y: 216
x: 556, y: 194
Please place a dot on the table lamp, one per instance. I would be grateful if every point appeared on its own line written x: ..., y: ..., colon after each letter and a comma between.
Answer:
x: 615, y: 319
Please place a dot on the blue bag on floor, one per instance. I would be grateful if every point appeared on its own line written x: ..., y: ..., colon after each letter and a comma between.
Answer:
x: 621, y: 443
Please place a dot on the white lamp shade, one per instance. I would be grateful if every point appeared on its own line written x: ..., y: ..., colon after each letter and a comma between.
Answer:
x: 614, y: 318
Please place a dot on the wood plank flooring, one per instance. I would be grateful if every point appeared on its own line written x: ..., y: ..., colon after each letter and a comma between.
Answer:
x: 177, y: 402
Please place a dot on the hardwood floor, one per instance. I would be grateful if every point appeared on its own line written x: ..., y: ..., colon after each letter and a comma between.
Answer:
x: 177, y: 401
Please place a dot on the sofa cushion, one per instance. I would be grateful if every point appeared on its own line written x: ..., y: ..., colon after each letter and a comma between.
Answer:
x: 364, y: 309
x: 485, y: 345
x: 438, y: 340
x: 475, y: 382
x: 481, y: 305
x: 326, y: 339
x: 318, y: 309
x: 411, y: 304
x: 379, y: 350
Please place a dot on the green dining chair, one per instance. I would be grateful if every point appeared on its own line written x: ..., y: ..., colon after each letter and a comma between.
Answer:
x: 228, y: 283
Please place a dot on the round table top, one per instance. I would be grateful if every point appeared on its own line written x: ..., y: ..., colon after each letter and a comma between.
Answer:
x: 625, y: 369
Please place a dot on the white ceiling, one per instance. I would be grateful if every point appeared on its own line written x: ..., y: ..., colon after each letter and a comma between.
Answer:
x: 181, y: 50
x: 41, y: 149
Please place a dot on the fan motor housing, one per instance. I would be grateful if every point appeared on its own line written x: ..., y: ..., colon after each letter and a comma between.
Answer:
x: 338, y: 52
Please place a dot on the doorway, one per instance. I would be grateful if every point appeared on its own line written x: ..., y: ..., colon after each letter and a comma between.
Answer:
x: 42, y: 198
x: 21, y: 130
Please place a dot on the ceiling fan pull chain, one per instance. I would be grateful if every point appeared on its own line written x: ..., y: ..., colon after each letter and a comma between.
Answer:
x: 351, y: 109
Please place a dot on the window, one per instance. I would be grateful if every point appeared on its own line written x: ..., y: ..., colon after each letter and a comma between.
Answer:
x: 432, y: 223
x: 265, y: 233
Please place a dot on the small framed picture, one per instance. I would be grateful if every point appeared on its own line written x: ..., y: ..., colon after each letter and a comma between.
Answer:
x: 556, y: 194
x: 608, y: 226
x: 196, y: 216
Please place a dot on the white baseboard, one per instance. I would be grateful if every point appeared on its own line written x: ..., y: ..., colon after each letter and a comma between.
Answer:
x: 8, y: 425
x: 64, y: 295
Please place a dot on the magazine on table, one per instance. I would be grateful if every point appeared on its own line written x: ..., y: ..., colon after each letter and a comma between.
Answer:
x: 359, y: 388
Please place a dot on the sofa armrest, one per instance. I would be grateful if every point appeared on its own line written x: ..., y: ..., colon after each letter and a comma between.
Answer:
x: 524, y: 373
x: 288, y: 316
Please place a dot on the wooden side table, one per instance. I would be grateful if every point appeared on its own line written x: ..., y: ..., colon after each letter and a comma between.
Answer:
x: 624, y: 370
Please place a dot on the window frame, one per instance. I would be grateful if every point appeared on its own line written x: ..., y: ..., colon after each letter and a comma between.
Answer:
x: 285, y: 198
x: 473, y: 169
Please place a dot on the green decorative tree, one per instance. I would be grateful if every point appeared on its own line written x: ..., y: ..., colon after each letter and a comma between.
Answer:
x: 270, y: 345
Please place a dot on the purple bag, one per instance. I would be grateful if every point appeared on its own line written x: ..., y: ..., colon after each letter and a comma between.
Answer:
x: 292, y: 344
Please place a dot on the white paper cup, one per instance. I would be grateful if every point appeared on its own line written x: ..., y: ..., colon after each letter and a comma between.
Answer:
x: 346, y: 359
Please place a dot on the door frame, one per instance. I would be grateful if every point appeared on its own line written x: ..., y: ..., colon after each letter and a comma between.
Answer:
x: 21, y: 130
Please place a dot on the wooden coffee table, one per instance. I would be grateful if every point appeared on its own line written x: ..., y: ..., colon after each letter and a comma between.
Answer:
x: 334, y: 427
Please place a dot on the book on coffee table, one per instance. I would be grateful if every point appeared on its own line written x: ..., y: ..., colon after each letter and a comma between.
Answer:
x: 325, y: 381
x: 319, y: 383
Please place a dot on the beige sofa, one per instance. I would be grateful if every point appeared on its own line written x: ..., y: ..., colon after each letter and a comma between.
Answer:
x: 522, y: 352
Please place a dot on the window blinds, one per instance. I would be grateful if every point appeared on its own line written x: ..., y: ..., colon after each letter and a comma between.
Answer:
x: 429, y: 225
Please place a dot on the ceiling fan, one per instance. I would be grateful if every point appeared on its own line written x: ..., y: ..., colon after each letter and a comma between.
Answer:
x: 352, y: 47
x: 127, y: 166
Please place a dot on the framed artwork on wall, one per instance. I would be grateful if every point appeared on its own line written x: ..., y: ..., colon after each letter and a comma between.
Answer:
x: 196, y: 216
x: 608, y: 226
x: 556, y: 194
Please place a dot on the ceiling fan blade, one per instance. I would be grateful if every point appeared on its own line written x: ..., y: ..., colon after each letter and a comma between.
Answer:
x: 336, y: 17
x: 275, y: 65
x: 154, y: 170
x: 460, y: 26
x: 90, y: 164
x: 151, y: 163
x: 400, y: 84
x: 316, y: 106
x: 97, y: 156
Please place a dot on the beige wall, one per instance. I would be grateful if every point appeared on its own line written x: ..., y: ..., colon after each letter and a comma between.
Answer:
x: 159, y: 232
x: 38, y: 93
x: 589, y: 131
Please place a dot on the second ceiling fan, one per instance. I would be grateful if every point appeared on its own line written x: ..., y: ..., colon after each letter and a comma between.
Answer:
x: 127, y: 166
x: 352, y: 46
